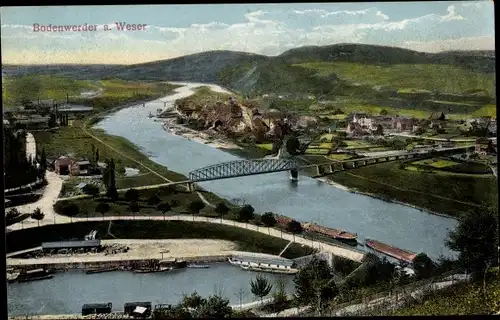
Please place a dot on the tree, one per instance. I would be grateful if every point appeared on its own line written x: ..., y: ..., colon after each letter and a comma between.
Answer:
x: 133, y: 207
x: 112, y: 193
x: 380, y: 130
x: 292, y: 145
x: 423, y: 265
x: 475, y: 238
x: 268, y: 220
x: 102, y: 208
x: 171, y: 312
x: 164, y: 207
x: 294, y: 227
x: 215, y: 307
x: 222, y: 209
x: 315, y: 275
x: 195, y: 207
x: 279, y: 295
x: 11, y: 215
x: 246, y: 213
x: 43, y: 160
x: 37, y: 215
x: 260, y: 287
x: 193, y: 301
x: 383, y: 112
x: 67, y: 209
x: 132, y: 195
x: 154, y: 200
x: 91, y: 190
x: 410, y: 147
x: 175, y: 203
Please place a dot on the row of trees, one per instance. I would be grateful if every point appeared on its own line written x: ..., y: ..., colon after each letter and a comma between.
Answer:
x: 13, y: 215
x: 18, y: 169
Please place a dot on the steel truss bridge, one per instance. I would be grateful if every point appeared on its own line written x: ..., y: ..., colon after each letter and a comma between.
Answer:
x: 241, y: 168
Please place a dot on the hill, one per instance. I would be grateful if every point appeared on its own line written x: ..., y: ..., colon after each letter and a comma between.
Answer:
x: 199, y: 67
x: 340, y: 69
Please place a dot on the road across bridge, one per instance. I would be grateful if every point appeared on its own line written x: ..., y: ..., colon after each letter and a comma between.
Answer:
x: 240, y: 168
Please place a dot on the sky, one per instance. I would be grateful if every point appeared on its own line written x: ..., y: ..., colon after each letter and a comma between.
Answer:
x: 269, y: 29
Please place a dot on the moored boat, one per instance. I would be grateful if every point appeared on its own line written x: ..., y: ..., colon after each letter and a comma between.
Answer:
x: 264, y: 264
x: 282, y: 219
x: 44, y: 277
x: 198, y: 266
x: 153, y: 270
x: 331, y: 232
x: 100, y: 270
x: 391, y: 251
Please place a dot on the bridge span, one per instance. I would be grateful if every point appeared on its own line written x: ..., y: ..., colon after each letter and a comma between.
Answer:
x: 241, y: 168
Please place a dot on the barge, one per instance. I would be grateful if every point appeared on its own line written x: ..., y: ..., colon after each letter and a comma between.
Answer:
x: 33, y: 275
x: 400, y: 254
x: 36, y: 278
x: 198, y: 266
x: 331, y: 232
x: 150, y: 270
x: 101, y: 270
x: 261, y: 264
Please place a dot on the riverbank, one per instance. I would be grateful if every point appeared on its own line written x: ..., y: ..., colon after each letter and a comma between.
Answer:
x: 246, y: 237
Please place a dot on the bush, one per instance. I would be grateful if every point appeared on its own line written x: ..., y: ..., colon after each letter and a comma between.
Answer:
x: 132, y: 195
x: 66, y: 208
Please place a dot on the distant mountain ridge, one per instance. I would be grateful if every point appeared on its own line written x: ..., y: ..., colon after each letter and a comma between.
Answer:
x: 248, y: 72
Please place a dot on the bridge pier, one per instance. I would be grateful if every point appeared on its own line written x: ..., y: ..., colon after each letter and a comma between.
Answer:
x: 332, y: 168
x: 294, y: 173
x: 191, y: 187
x: 318, y: 171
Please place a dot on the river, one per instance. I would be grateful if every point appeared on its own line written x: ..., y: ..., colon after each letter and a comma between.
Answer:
x: 309, y: 200
x: 68, y: 291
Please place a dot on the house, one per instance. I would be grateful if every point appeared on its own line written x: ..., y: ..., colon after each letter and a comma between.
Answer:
x: 69, y: 166
x: 364, y: 121
x: 387, y: 122
x: 79, y: 167
x: 354, y: 129
x: 492, y: 127
x: 437, y: 116
x: 485, y: 146
x: 403, y: 124
x: 62, y: 165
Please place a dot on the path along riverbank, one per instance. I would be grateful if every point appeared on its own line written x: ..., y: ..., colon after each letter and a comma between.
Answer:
x: 140, y: 250
x: 351, y: 254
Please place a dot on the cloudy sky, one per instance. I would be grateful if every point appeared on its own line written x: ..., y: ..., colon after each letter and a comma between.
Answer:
x: 267, y: 29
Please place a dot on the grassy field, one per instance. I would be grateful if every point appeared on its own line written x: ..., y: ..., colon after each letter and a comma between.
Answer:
x: 409, y: 76
x: 436, y: 163
x: 449, y: 194
x: 177, y: 194
x: 265, y: 146
x: 72, y: 140
x: 489, y: 110
x: 339, y: 157
x: 247, y: 240
x: 33, y: 87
